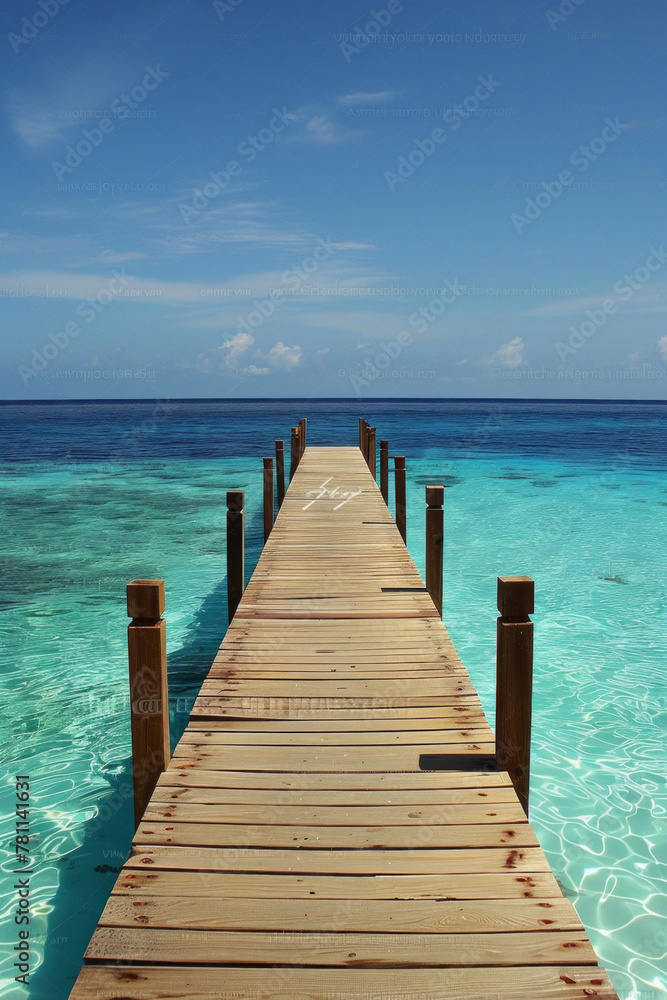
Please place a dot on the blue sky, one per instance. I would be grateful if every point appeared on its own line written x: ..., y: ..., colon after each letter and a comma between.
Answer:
x: 253, y: 199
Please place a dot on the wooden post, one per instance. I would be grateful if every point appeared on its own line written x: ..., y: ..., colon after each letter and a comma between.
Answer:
x: 514, y: 680
x: 294, y: 455
x: 268, y: 497
x: 235, y: 546
x: 302, y: 435
x: 149, y: 701
x: 280, y: 472
x: 371, y: 450
x: 361, y: 435
x: 399, y: 493
x: 435, y: 533
x: 384, y: 471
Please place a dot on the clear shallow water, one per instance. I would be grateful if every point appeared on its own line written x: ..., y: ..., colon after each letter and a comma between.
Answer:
x: 572, y: 494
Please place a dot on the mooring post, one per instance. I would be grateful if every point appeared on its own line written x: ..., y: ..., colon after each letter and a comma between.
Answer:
x: 235, y: 545
x: 371, y: 450
x: 435, y: 534
x: 399, y: 493
x: 302, y: 435
x: 149, y: 700
x: 280, y: 472
x: 514, y: 680
x: 294, y: 452
x: 361, y: 435
x: 268, y: 497
x: 384, y: 471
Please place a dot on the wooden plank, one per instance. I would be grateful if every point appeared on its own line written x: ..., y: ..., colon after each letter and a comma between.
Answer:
x: 145, y: 982
x: 255, y: 797
x: 179, y: 871
x: 345, y: 758
x: 301, y: 815
x: 188, y: 775
x: 138, y: 944
x: 489, y: 916
x: 333, y: 861
x: 212, y: 740
x: 518, y: 835
x: 448, y: 718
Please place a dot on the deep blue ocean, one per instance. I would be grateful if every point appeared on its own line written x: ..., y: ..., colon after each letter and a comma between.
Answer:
x: 573, y: 494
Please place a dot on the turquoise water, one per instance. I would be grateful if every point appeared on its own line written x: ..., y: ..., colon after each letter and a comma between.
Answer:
x: 572, y: 494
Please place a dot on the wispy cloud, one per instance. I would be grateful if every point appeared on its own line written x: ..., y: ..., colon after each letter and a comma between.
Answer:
x: 509, y: 355
x: 318, y: 127
x: 364, y: 97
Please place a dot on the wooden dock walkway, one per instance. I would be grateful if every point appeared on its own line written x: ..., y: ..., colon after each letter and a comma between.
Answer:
x: 293, y: 849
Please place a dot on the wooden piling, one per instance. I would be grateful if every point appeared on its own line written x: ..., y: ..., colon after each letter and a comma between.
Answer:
x: 302, y: 435
x: 235, y: 547
x: 149, y: 701
x: 435, y: 533
x: 268, y: 497
x: 361, y: 435
x: 371, y: 450
x: 399, y: 493
x: 295, y: 449
x: 384, y: 471
x: 514, y: 680
x: 280, y: 472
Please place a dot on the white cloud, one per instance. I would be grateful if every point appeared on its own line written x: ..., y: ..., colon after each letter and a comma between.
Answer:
x: 362, y: 97
x: 662, y: 348
x: 284, y: 357
x: 508, y: 355
x: 236, y: 347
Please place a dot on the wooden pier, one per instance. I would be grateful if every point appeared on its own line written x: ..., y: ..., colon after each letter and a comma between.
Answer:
x: 293, y: 848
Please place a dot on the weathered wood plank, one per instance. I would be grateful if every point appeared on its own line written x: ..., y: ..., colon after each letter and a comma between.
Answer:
x: 191, y: 873
x: 138, y: 944
x: 358, y: 915
x: 142, y: 982
x: 332, y: 861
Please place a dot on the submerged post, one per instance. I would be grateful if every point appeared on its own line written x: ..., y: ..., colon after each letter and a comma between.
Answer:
x: 435, y: 534
x: 268, y: 497
x: 302, y: 435
x: 294, y: 453
x: 280, y: 472
x: 514, y: 680
x: 235, y: 544
x: 399, y: 493
x: 149, y: 701
x: 371, y: 450
x: 384, y: 471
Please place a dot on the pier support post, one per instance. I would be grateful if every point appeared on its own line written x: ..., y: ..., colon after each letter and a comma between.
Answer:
x: 371, y: 451
x: 303, y: 423
x: 235, y: 546
x: 384, y: 471
x: 435, y: 534
x: 268, y: 497
x: 514, y: 680
x: 280, y: 472
x: 399, y: 493
x: 149, y: 701
x: 294, y: 452
x: 361, y: 435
